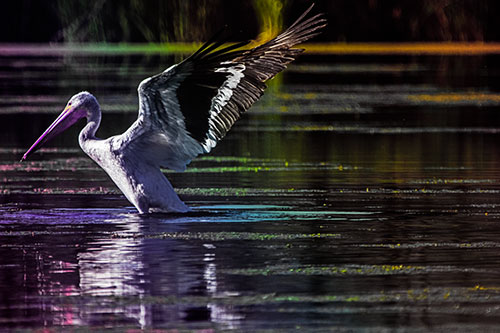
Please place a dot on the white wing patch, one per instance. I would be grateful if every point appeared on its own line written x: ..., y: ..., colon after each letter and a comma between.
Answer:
x: 224, y: 94
x: 170, y: 68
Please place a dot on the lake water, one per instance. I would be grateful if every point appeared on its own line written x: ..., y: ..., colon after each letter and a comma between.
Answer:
x: 361, y: 193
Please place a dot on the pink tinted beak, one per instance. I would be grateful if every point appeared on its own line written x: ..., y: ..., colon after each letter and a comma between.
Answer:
x: 65, y: 120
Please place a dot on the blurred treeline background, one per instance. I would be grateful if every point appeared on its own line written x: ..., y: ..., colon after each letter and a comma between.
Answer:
x: 159, y: 21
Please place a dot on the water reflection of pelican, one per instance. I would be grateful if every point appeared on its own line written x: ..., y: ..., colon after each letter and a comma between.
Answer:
x: 114, y: 269
x: 147, y: 281
x: 221, y: 314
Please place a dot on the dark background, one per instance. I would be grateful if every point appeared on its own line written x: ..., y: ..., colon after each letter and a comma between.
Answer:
x: 34, y: 21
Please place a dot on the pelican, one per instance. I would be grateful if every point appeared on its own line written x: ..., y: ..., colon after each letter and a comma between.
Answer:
x: 183, y: 112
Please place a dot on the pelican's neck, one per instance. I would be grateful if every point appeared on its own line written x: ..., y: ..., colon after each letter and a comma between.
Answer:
x: 93, y: 122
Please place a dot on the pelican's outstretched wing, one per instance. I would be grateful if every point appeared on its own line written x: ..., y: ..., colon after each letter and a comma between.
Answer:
x: 188, y: 108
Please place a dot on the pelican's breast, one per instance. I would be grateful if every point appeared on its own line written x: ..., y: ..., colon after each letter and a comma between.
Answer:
x: 111, y: 161
x: 143, y: 184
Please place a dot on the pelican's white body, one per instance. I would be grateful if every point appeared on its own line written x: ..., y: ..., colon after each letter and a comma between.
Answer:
x: 143, y: 184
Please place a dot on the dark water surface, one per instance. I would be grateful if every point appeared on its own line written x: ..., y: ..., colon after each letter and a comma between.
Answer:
x: 361, y: 193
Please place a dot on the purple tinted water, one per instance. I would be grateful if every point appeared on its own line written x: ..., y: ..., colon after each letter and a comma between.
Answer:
x: 360, y: 193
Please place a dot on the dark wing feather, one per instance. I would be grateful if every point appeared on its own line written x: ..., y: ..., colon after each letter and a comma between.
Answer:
x: 188, y: 108
x: 261, y: 64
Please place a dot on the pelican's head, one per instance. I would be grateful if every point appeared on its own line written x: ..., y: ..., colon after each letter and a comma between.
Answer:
x: 79, y: 106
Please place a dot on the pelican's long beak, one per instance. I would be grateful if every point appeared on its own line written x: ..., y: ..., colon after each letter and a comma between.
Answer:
x: 65, y: 120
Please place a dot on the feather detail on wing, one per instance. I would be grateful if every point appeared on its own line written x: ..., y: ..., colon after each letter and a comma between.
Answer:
x: 185, y: 110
